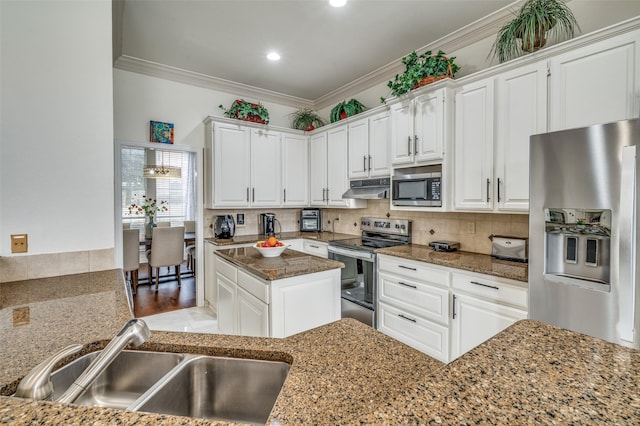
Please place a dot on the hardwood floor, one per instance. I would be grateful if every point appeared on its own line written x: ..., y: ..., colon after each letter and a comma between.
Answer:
x: 169, y: 296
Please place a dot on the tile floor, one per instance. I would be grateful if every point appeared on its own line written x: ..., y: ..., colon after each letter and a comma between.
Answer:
x: 193, y: 320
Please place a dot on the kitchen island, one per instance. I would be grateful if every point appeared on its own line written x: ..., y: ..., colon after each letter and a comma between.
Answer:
x: 343, y: 372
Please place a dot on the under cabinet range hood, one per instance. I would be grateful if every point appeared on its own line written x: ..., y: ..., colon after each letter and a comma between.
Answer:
x: 368, y: 189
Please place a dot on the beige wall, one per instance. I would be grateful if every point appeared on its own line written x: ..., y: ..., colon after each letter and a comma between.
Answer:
x: 445, y: 226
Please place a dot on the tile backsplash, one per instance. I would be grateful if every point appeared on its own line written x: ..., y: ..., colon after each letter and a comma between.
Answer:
x: 471, y: 230
x: 27, y: 267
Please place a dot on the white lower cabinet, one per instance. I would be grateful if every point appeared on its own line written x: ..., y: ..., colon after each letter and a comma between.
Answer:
x: 317, y: 248
x: 441, y: 311
x: 249, y: 306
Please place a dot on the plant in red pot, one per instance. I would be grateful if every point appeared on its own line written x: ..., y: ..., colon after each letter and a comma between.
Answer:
x: 346, y: 109
x: 247, y: 111
x: 306, y: 119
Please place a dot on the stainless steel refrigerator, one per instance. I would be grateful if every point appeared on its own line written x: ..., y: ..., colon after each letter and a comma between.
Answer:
x: 582, y: 230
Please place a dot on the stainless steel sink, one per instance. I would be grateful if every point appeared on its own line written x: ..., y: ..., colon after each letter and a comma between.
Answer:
x: 130, y: 375
x: 230, y: 389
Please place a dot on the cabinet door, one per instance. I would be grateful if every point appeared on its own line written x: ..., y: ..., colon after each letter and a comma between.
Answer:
x: 429, y: 126
x: 475, y: 321
x: 473, y: 157
x: 359, y: 149
x: 521, y: 111
x: 337, y: 166
x: 318, y: 169
x: 210, y: 276
x: 266, y: 179
x: 253, y: 315
x: 226, y: 311
x: 402, y: 142
x: 295, y: 171
x: 232, y: 164
x: 595, y: 84
x: 379, y: 146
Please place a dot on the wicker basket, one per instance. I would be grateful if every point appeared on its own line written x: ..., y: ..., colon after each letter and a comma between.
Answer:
x: 432, y: 79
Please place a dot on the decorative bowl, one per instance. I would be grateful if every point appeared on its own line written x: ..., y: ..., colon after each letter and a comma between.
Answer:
x: 270, y: 251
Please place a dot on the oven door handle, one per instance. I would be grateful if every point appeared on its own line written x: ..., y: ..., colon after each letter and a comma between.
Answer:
x: 357, y: 254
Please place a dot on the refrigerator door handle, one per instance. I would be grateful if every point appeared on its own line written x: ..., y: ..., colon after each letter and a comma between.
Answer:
x: 627, y: 246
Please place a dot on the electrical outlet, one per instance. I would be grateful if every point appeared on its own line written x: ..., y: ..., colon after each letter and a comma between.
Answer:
x: 471, y: 227
x: 19, y: 243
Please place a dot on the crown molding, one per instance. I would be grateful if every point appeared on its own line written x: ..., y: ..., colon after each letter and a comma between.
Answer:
x: 154, y: 69
x: 465, y: 36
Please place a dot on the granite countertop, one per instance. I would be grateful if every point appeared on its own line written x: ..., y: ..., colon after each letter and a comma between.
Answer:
x: 290, y: 263
x: 247, y: 239
x: 474, y: 262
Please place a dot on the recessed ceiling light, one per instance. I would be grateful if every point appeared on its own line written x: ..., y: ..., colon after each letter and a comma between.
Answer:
x: 337, y: 3
x: 273, y: 56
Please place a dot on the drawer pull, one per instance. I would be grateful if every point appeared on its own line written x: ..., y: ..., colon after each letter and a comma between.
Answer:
x: 406, y: 317
x: 485, y: 285
x: 311, y: 245
x: 407, y: 285
x: 407, y: 267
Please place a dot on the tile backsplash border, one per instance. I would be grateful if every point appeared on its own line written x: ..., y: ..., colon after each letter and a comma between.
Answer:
x: 27, y: 267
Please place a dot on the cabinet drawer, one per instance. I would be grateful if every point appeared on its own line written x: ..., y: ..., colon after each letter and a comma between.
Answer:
x: 416, y: 270
x: 254, y: 286
x: 226, y: 269
x: 491, y: 289
x: 316, y: 247
x: 417, y: 332
x: 428, y: 301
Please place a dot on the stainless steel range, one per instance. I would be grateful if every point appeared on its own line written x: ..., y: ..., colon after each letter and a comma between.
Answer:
x: 359, y: 274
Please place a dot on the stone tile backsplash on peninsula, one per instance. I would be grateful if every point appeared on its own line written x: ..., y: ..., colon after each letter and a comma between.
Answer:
x: 446, y: 226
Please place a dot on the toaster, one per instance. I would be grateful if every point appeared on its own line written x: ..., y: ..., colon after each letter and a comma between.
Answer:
x: 509, y: 248
x: 444, y: 245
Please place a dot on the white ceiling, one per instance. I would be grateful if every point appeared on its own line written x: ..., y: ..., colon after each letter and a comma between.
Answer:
x: 323, y: 48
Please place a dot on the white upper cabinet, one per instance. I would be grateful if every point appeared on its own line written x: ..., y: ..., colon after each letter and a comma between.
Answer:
x: 473, y: 146
x: 521, y: 111
x: 494, y: 119
x: 318, y: 169
x: 595, y: 84
x: 369, y: 147
x: 418, y: 128
x: 231, y: 165
x: 266, y: 168
x: 295, y: 170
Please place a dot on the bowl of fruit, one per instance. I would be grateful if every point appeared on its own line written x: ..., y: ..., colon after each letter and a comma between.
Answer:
x: 270, y: 247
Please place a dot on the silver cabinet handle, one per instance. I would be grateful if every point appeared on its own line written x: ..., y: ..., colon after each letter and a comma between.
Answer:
x: 406, y: 317
x: 453, y: 310
x: 415, y: 144
x: 253, y: 194
x: 485, y: 285
x: 488, y: 186
x: 284, y: 197
x: 247, y: 194
x: 324, y: 194
x: 499, y: 182
x: 407, y: 285
x: 311, y: 245
x: 407, y: 267
x: 369, y: 162
x: 327, y: 194
x: 364, y: 163
x: 409, y: 144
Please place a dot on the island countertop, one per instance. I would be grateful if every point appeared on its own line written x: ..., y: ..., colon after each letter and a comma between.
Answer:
x: 290, y: 263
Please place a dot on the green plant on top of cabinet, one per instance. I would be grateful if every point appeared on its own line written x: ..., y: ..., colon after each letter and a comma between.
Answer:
x: 306, y: 119
x: 369, y: 146
x: 419, y: 127
x: 491, y: 146
x: 346, y: 109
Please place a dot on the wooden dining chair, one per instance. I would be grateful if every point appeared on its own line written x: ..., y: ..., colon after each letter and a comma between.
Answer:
x: 167, y: 249
x: 131, y: 255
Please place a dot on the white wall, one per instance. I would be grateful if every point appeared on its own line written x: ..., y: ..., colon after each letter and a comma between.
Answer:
x: 139, y: 98
x: 56, y: 125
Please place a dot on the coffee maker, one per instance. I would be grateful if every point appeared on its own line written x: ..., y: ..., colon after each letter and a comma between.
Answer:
x: 267, y: 224
x: 224, y: 227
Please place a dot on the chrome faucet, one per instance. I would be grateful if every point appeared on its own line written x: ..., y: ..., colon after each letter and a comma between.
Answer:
x: 134, y: 332
x: 37, y: 384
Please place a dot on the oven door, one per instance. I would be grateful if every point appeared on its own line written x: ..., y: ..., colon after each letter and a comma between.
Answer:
x: 358, y: 283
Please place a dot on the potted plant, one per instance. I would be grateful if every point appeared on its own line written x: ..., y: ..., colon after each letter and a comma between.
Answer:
x: 421, y: 70
x: 528, y: 31
x: 149, y: 207
x: 346, y: 109
x: 306, y: 119
x: 247, y: 111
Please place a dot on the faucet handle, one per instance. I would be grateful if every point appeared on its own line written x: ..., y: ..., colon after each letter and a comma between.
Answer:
x: 37, y: 383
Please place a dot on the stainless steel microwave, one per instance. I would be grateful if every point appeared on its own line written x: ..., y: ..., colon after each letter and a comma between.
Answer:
x: 417, y: 186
